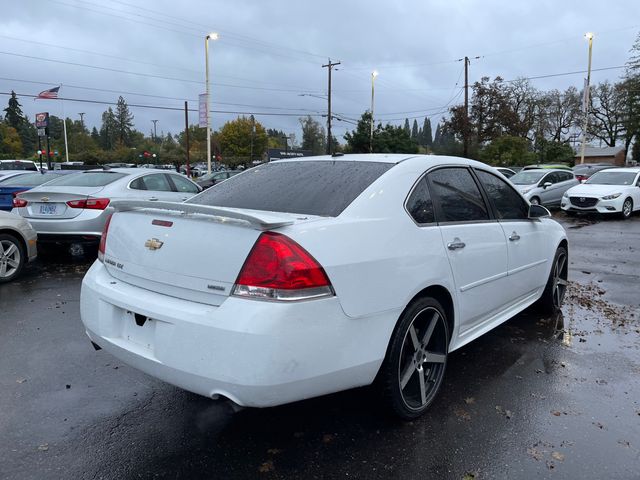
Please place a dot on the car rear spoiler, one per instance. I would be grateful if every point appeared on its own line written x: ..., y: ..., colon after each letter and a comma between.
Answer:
x: 258, y: 221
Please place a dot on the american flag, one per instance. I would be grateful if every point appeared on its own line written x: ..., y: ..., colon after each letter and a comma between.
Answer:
x: 51, y: 94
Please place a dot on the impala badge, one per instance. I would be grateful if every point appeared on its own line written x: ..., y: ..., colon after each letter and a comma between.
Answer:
x: 153, y: 244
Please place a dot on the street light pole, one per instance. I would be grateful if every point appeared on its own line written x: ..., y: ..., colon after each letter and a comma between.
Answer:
x: 585, y: 105
x: 212, y: 36
x: 374, y: 74
x: 82, y: 114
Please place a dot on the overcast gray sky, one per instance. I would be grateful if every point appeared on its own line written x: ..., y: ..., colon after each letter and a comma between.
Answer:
x: 270, y: 53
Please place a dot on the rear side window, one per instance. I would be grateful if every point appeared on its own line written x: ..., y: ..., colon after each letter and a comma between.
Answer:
x: 419, y: 204
x: 509, y: 205
x: 183, y: 185
x: 322, y: 188
x: 157, y: 182
x: 457, y: 196
x: 87, y: 179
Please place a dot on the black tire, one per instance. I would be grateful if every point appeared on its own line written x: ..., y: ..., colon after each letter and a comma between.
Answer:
x: 535, y: 201
x: 414, y: 367
x: 627, y: 209
x: 12, y: 257
x: 556, y: 288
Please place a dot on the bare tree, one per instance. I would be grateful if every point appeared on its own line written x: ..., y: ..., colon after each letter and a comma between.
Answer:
x: 559, y: 113
x: 606, y: 112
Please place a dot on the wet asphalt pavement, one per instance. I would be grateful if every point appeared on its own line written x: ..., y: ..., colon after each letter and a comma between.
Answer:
x: 535, y: 398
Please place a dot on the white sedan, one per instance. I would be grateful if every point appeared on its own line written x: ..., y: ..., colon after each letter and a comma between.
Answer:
x: 321, y: 274
x: 615, y: 190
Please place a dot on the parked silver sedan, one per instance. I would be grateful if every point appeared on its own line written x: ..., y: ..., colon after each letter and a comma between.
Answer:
x: 74, y: 208
x: 17, y: 245
x: 544, y: 186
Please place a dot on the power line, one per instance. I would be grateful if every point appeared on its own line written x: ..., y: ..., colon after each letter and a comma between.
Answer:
x: 163, y: 107
x: 121, y: 92
x: 150, y: 75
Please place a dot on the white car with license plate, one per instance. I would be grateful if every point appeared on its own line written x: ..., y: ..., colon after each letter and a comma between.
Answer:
x: 612, y: 191
x: 321, y: 274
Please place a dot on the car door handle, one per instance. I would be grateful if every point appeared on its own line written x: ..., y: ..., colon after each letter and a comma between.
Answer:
x: 153, y: 199
x: 514, y: 236
x: 456, y: 244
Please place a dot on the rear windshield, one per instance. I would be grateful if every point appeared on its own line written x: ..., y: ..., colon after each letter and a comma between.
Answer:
x: 323, y: 188
x: 17, y: 166
x: 28, y: 180
x: 87, y: 179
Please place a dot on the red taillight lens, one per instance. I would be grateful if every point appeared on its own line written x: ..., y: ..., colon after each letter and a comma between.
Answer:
x: 277, y: 268
x: 581, y: 178
x: 19, y: 202
x: 90, y: 203
x: 15, y: 194
x: 103, y: 239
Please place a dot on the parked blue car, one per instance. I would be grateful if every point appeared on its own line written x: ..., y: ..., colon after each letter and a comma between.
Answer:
x: 13, y: 185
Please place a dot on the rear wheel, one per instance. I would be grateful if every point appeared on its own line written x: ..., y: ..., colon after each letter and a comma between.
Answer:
x: 12, y: 257
x: 627, y: 208
x: 556, y: 287
x: 412, y: 373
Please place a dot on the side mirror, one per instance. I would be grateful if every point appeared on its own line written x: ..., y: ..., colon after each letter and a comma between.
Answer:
x: 547, y: 184
x: 538, y: 211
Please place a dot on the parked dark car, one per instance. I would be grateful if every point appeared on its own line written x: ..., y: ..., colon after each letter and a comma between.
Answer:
x: 10, y: 187
x: 585, y: 170
x: 212, y: 178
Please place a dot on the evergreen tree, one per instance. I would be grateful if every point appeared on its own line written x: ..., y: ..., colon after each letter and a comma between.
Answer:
x: 406, y: 126
x: 124, y: 123
x: 13, y: 113
x: 437, y: 140
x: 427, y: 139
x: 415, y: 134
x: 95, y: 135
x: 108, y: 130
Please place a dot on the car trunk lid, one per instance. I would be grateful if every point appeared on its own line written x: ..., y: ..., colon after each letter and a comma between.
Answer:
x: 51, y: 202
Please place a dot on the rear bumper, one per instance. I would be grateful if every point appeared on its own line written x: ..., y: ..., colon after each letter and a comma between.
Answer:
x: 87, y: 223
x: 258, y: 354
x: 48, y: 238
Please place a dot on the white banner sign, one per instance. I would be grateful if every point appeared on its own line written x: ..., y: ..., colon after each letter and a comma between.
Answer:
x: 202, y: 110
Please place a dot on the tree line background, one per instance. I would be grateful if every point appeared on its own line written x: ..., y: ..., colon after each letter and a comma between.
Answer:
x: 509, y: 123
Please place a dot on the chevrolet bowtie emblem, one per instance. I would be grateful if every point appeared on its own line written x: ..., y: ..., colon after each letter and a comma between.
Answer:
x: 153, y: 244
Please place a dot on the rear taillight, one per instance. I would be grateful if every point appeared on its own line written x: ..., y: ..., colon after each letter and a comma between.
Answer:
x: 277, y: 268
x: 581, y: 178
x: 103, y: 239
x: 19, y: 202
x: 90, y: 203
x: 15, y: 194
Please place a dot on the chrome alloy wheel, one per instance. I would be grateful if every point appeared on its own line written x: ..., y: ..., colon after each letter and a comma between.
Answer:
x: 423, y: 359
x: 627, y: 208
x: 559, y: 276
x: 9, y: 258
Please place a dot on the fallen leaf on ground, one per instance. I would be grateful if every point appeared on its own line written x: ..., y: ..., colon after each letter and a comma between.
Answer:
x: 266, y: 467
x: 44, y: 447
x: 274, y: 451
x: 558, y: 456
x: 555, y: 413
x: 462, y: 414
x: 535, y: 453
x: 21, y: 380
x: 471, y: 400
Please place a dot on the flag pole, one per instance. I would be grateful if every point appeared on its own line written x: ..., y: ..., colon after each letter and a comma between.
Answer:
x: 64, y: 124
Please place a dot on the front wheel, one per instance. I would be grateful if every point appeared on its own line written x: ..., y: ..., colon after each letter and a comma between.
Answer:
x: 627, y: 208
x: 412, y: 373
x: 12, y: 257
x: 556, y: 288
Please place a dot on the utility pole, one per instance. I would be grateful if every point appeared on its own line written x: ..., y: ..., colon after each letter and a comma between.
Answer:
x: 82, y: 114
x: 465, y: 128
x: 253, y: 129
x: 329, y: 66
x: 186, y: 135
x: 465, y: 134
x: 155, y: 136
x: 585, y: 100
